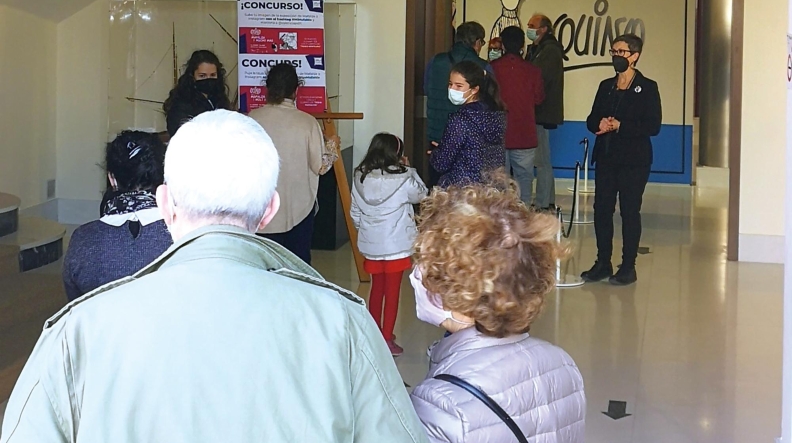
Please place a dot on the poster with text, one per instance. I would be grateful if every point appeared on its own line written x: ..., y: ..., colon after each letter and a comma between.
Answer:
x: 253, y: 68
x: 273, y: 32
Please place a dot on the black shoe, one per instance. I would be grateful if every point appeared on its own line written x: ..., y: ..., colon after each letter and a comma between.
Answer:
x: 625, y: 276
x: 600, y: 271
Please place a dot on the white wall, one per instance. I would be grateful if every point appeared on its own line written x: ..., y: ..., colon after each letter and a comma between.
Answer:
x: 82, y: 78
x: 379, y: 69
x: 27, y: 117
x: 786, y: 404
x: 764, y: 141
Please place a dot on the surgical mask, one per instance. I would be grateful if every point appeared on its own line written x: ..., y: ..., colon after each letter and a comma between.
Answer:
x: 457, y: 97
x: 531, y: 34
x: 495, y: 54
x: 620, y: 64
x: 208, y: 86
x: 425, y: 307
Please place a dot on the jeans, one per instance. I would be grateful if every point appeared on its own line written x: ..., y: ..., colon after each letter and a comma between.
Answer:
x: 545, y: 182
x: 298, y: 239
x: 520, y: 162
x: 628, y: 183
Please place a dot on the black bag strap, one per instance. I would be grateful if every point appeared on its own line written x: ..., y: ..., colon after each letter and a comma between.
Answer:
x: 489, y: 402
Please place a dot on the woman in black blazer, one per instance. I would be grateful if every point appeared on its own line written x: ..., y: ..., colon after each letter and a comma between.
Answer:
x: 626, y: 113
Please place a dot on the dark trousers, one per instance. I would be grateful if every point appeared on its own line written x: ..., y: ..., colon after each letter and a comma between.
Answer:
x: 434, y: 176
x: 298, y: 240
x: 628, y: 184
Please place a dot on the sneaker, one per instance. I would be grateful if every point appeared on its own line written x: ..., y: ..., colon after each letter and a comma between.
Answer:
x: 395, y: 349
x: 624, y: 277
x: 600, y: 271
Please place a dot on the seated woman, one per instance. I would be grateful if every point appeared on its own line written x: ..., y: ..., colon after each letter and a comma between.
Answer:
x: 131, y: 233
x: 483, y: 265
x: 200, y: 88
x: 474, y: 137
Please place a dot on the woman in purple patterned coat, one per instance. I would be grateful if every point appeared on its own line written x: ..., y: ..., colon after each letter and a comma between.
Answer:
x: 473, y: 141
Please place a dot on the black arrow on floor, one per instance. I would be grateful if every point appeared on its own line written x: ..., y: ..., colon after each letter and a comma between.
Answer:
x: 617, y: 410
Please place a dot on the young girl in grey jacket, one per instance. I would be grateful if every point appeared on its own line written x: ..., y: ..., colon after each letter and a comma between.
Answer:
x: 383, y: 194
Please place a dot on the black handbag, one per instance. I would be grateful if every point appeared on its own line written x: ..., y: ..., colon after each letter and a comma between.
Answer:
x: 489, y: 402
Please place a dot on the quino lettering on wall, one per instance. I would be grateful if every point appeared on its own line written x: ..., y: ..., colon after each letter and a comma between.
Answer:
x: 593, y: 35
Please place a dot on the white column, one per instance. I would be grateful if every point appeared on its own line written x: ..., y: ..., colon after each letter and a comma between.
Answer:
x: 786, y: 409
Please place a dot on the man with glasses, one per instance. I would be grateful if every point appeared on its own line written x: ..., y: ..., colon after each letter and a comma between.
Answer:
x: 547, y: 54
x: 469, y: 40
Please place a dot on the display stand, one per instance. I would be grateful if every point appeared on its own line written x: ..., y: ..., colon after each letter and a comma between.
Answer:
x: 329, y: 129
x: 564, y: 280
x: 586, y: 188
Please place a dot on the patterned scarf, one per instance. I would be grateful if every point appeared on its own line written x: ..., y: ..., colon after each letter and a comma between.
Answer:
x: 127, y: 202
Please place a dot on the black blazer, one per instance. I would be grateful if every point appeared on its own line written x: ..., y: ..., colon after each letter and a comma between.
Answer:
x: 640, y: 114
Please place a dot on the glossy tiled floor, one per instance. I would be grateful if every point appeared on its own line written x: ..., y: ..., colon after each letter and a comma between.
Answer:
x: 694, y: 348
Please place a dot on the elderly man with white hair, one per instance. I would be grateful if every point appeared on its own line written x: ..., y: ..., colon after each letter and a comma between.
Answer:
x: 225, y: 338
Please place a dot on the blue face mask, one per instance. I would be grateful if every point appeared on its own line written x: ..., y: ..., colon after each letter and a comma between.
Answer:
x: 531, y: 34
x: 494, y: 54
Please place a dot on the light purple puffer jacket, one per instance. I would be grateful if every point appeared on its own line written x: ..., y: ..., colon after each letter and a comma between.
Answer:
x: 536, y: 383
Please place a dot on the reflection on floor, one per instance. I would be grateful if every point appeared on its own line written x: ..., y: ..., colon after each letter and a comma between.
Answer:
x: 694, y: 348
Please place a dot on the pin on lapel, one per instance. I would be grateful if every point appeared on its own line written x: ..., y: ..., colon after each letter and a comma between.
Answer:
x: 638, y: 89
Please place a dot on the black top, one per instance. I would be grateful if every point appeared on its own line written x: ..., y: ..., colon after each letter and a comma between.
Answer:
x: 639, y: 111
x: 548, y: 55
x: 182, y: 112
x: 100, y: 253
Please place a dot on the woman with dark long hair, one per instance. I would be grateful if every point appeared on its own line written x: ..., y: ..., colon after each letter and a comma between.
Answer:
x: 130, y: 233
x: 200, y: 88
x: 474, y: 138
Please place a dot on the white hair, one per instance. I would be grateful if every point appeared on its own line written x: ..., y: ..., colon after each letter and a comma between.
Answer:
x: 222, y: 167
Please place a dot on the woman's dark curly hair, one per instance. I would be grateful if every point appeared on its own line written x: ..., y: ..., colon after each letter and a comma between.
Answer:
x: 137, y: 161
x: 185, y: 91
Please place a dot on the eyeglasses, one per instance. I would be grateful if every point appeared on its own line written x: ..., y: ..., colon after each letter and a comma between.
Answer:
x: 620, y: 52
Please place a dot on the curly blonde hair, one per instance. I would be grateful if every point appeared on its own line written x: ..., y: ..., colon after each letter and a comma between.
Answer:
x: 487, y: 255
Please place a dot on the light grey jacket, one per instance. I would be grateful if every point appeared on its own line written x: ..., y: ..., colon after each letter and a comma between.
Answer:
x: 536, y: 383
x: 382, y: 210
x: 225, y: 338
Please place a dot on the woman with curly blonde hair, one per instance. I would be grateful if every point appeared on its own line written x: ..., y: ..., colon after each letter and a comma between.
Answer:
x: 483, y: 265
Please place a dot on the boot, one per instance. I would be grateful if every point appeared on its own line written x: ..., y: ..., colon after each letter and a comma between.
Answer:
x: 600, y: 271
x: 625, y: 276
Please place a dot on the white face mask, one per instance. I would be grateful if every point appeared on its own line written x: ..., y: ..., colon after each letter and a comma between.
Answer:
x: 457, y: 97
x: 425, y: 307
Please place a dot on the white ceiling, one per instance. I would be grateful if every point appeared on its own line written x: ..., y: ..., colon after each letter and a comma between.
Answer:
x: 54, y: 10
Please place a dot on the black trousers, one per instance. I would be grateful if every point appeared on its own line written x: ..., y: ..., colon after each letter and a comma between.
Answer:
x: 628, y: 184
x: 434, y: 176
x: 298, y: 240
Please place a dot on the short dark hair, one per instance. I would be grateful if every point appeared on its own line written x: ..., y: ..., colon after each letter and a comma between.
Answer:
x: 544, y: 22
x: 282, y: 83
x: 137, y: 161
x: 513, y: 39
x: 469, y: 33
x: 634, y: 42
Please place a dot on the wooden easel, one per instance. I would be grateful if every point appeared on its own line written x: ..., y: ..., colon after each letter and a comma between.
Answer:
x: 328, y: 126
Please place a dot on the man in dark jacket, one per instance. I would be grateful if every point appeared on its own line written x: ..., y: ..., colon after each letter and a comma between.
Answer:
x: 547, y: 54
x: 469, y: 40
